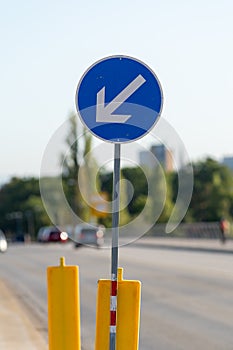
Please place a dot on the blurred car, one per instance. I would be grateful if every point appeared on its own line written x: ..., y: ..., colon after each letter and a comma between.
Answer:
x: 3, y: 242
x: 51, y: 234
x: 87, y: 234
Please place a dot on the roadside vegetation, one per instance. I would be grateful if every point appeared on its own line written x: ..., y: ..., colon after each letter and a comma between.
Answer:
x: 22, y: 210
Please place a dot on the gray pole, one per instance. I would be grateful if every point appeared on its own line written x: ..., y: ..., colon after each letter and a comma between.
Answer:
x: 115, y: 238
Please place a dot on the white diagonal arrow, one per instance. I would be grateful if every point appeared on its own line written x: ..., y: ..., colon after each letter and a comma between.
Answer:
x: 104, y: 113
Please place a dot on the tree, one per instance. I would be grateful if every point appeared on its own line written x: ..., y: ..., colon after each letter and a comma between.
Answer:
x: 137, y: 178
x: 70, y: 165
x: 88, y: 176
x: 213, y: 191
x: 160, y: 195
x: 79, y: 165
x: 138, y: 181
x: 21, y: 208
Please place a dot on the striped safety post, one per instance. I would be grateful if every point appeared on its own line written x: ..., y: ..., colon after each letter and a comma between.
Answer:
x: 113, y: 306
x: 127, y: 315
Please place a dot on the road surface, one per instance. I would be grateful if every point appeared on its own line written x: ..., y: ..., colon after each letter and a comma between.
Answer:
x: 187, y: 299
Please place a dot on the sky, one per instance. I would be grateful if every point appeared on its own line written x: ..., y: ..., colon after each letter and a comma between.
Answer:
x: 47, y: 45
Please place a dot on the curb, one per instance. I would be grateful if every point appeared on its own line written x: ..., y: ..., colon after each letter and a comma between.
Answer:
x: 16, y: 331
x: 201, y: 245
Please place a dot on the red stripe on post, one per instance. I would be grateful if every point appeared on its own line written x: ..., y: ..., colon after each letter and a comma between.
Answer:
x: 113, y: 306
x: 114, y: 289
x: 113, y: 318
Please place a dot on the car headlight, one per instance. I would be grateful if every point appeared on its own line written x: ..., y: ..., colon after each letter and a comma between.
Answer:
x: 99, y: 234
x: 63, y: 236
x: 3, y: 245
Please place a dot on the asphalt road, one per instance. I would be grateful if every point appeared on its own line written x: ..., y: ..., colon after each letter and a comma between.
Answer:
x: 187, y: 299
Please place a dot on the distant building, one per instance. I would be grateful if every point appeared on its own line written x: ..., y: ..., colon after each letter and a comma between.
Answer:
x: 228, y: 161
x: 162, y: 155
x: 146, y: 159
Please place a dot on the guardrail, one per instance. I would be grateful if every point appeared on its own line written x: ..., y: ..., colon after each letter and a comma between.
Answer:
x: 190, y: 230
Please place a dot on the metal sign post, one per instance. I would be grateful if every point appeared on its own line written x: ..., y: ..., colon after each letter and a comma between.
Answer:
x: 115, y: 238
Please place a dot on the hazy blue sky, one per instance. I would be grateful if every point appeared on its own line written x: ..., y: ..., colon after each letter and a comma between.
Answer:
x: 46, y: 46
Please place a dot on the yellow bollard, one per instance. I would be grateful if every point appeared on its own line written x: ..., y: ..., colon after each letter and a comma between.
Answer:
x: 128, y: 314
x: 63, y: 307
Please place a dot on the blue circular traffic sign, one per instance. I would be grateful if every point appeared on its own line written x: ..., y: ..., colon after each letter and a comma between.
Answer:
x: 119, y: 99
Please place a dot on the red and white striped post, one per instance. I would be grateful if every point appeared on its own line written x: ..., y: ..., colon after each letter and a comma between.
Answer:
x: 113, y: 306
x: 115, y: 238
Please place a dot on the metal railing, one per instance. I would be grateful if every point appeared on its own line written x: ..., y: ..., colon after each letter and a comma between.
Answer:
x: 207, y: 230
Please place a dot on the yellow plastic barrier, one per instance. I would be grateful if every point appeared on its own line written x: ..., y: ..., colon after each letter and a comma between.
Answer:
x: 128, y: 314
x: 63, y: 307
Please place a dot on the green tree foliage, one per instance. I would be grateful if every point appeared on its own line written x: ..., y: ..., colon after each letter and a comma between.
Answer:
x: 124, y: 213
x: 21, y: 207
x: 88, y: 176
x: 160, y: 195
x: 212, y: 193
x: 79, y: 166
x: 70, y: 163
x: 137, y: 179
x: 106, y: 180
